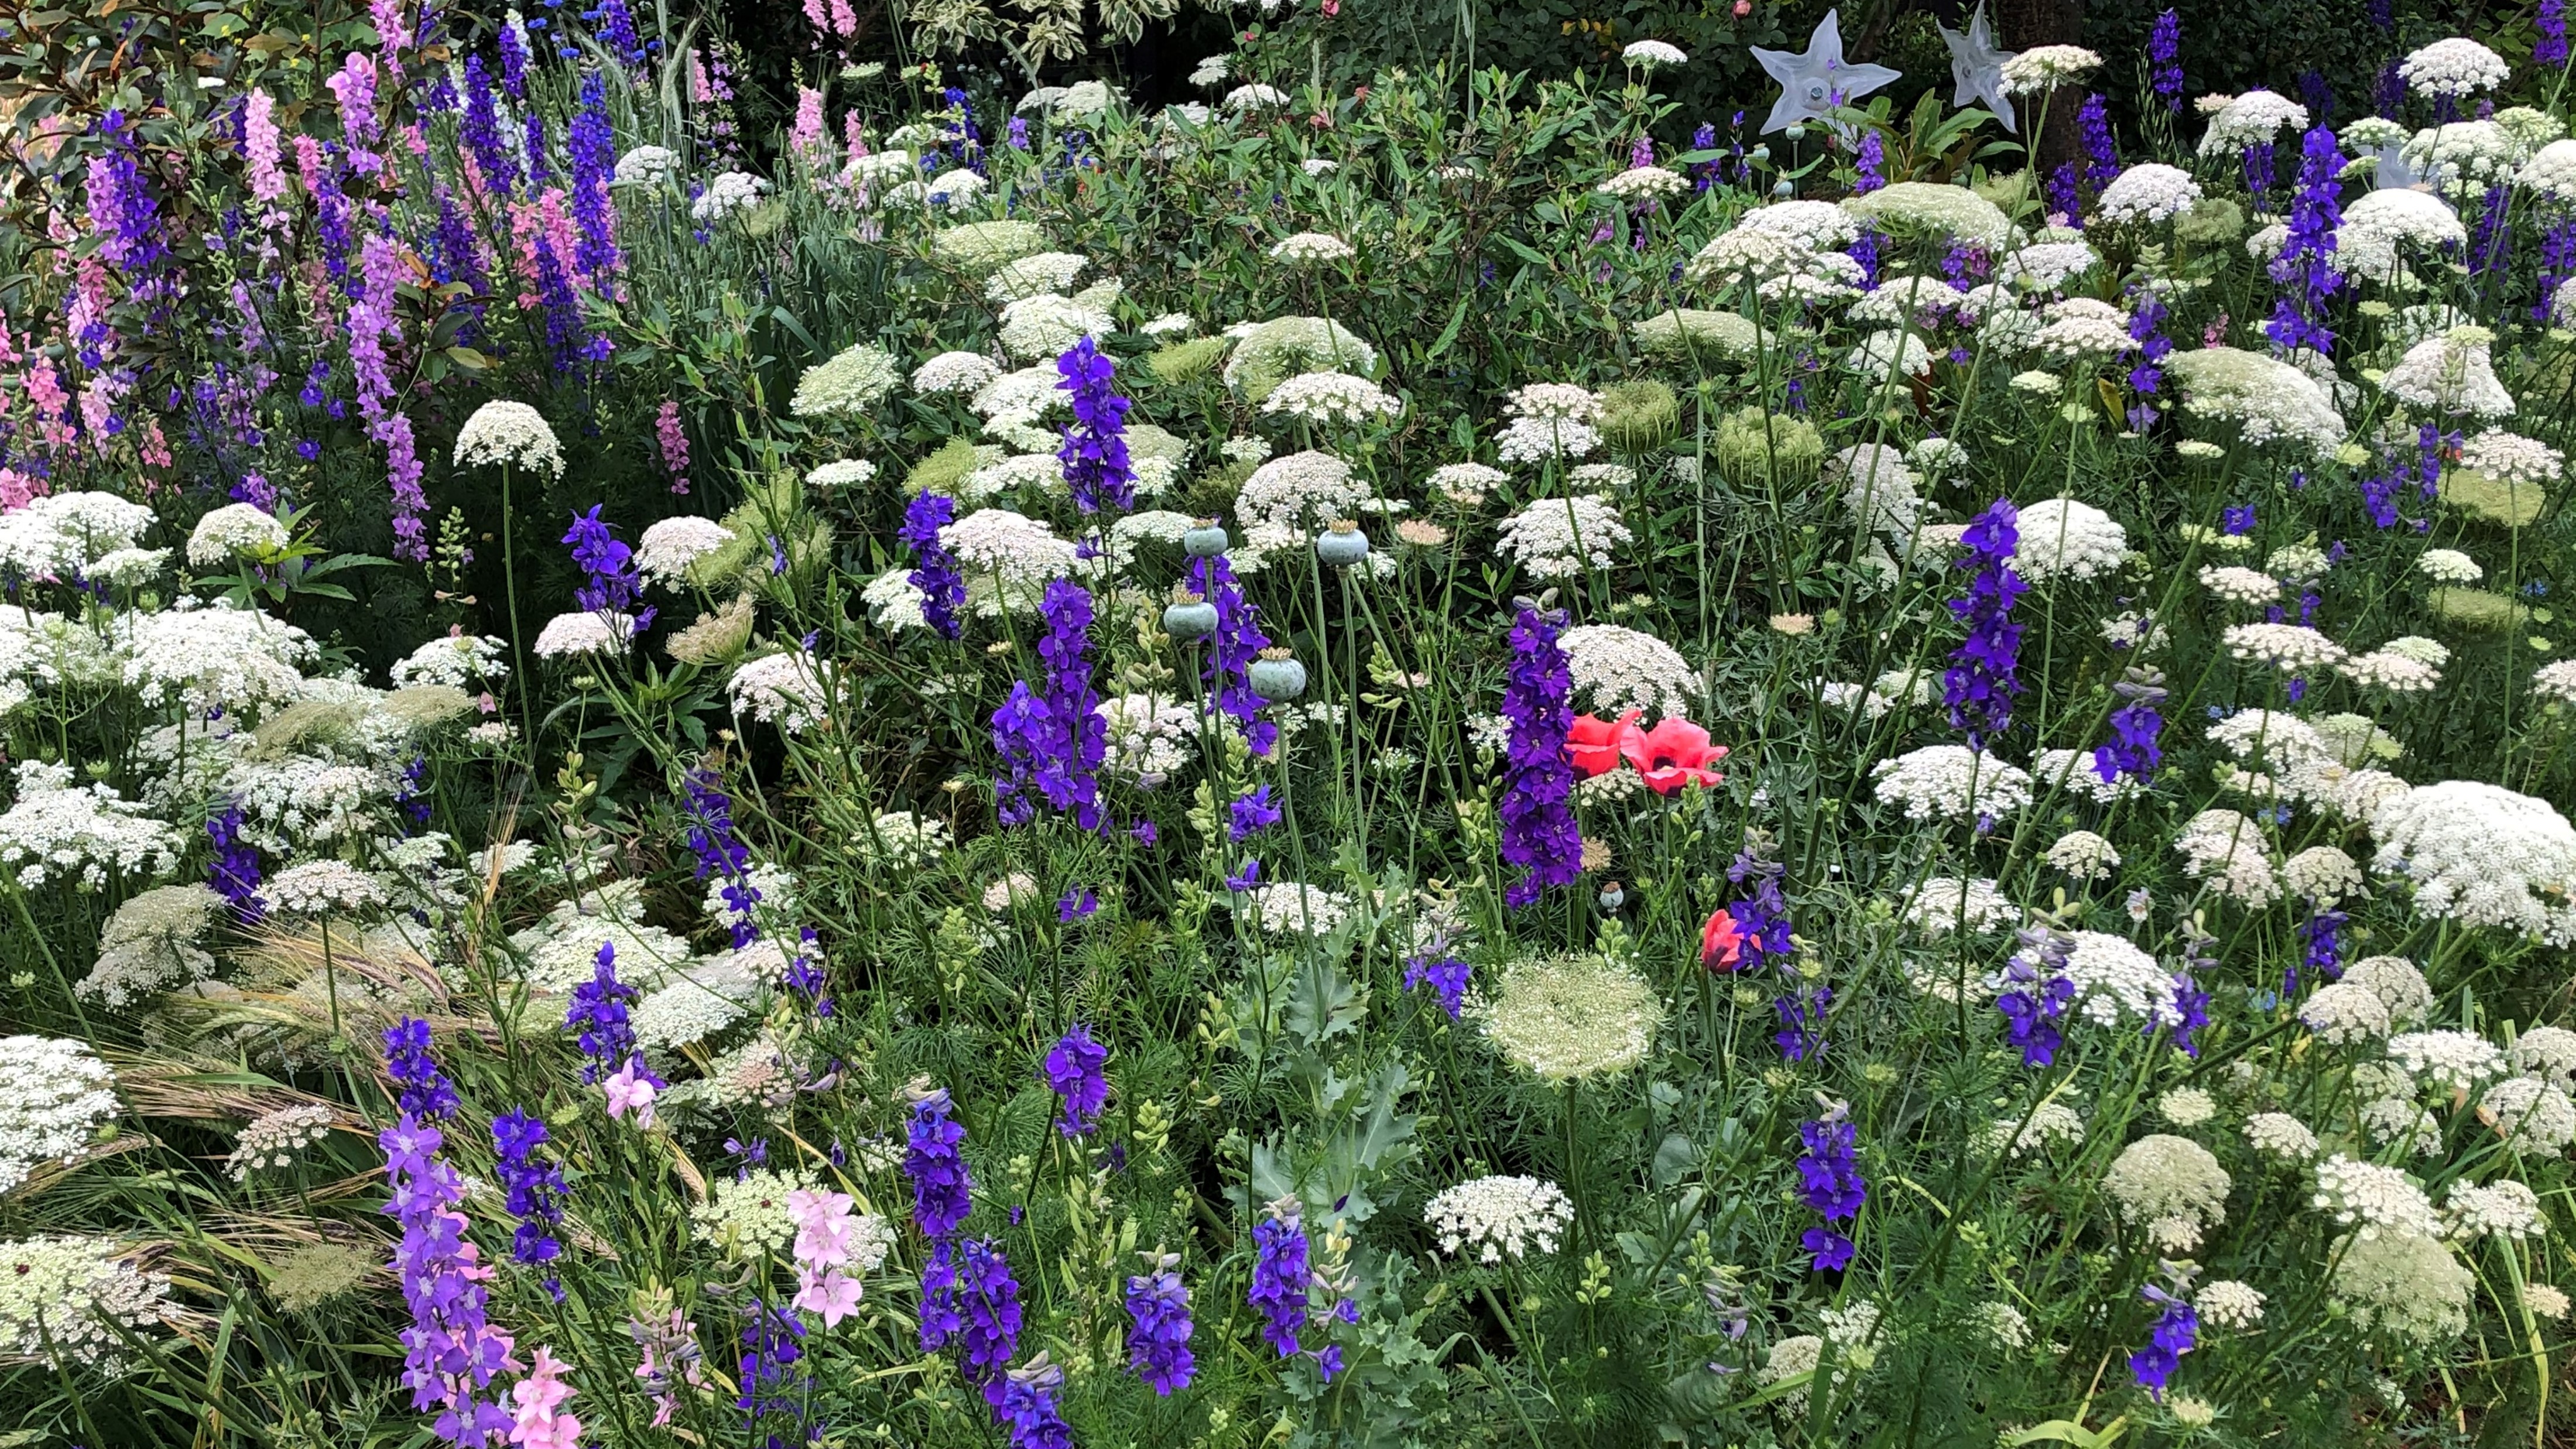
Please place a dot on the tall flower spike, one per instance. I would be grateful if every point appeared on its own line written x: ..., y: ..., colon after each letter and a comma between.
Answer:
x: 1237, y: 642
x: 935, y: 1161
x: 1074, y: 1071
x: 1095, y: 443
x: 1982, y: 679
x: 1158, y: 1339
x: 1281, y: 1276
x: 942, y: 586
x: 2305, y: 269
x: 1831, y: 1184
x: 1052, y: 739
x: 1538, y: 828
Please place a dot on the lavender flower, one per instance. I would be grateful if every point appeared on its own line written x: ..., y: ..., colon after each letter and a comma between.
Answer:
x: 1280, y: 1276
x: 1831, y: 1184
x: 2133, y: 752
x: 532, y: 1188
x: 1983, y: 677
x: 1095, y: 444
x: 426, y: 1092
x: 2549, y: 43
x: 2164, y: 51
x: 1445, y: 974
x: 2190, y: 1002
x: 1251, y: 814
x: 1237, y: 642
x: 2036, y: 994
x: 1158, y: 1342
x: 451, y: 1351
x: 935, y: 1161
x: 1073, y: 1070
x: 943, y: 587
x: 1869, y: 164
x: 2176, y: 1333
x: 1052, y: 739
x: 1538, y: 829
x: 969, y: 1297
x: 480, y: 128
x: 2147, y: 375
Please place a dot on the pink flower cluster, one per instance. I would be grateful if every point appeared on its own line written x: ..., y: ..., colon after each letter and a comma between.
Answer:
x: 825, y: 1234
x: 538, y: 1421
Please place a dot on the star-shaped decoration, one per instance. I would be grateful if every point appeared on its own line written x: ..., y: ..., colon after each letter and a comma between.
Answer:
x: 1813, y: 84
x: 1978, y: 68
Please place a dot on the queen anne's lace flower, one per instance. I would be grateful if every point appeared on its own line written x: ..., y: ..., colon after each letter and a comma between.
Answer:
x: 568, y: 635
x: 2241, y: 586
x: 2373, y: 1200
x: 2255, y: 118
x: 1617, y: 669
x: 1571, y: 1018
x: 235, y: 528
x: 2291, y: 648
x: 2269, y: 400
x: 1951, y: 782
x: 790, y: 689
x: 2278, y: 1134
x: 2451, y: 373
x: 2535, y: 1117
x: 2227, y: 850
x: 667, y: 548
x: 966, y: 373
x: 2148, y: 192
x: 56, y: 829
x: 2455, y: 1059
x: 1560, y: 538
x: 2546, y: 1052
x: 54, y: 1094
x: 2482, y: 855
x: 2169, y: 1186
x: 1645, y: 183
x: 2117, y: 983
x: 1331, y: 397
x: 1933, y: 210
x: 2084, y: 856
x: 509, y: 433
x: 2045, y: 66
x: 2453, y: 67
x: 2513, y: 459
x: 1310, y: 247
x: 2503, y: 1208
x: 2061, y: 537
x: 75, y: 1300
x: 2405, y: 1284
x: 2343, y: 1014
x: 1944, y: 903
x: 1499, y: 1217
x: 2227, y: 1303
x: 2376, y: 225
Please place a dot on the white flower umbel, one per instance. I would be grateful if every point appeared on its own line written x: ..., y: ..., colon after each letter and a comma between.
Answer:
x: 2062, y: 538
x: 2045, y: 67
x: 1308, y: 248
x: 75, y: 1300
x: 89, y: 836
x: 2269, y: 400
x: 2404, y: 1284
x: 2171, y: 1187
x: 2373, y: 1200
x: 512, y: 434
x: 1560, y: 538
x: 2452, y: 373
x: 567, y: 636
x: 322, y: 888
x: 54, y: 1095
x: 1617, y: 669
x: 791, y: 689
x: 1331, y: 397
x: 2453, y: 68
x: 2503, y: 1208
x: 2512, y: 459
x: 2255, y: 118
x: 1950, y: 783
x: 667, y: 548
x: 2148, y: 192
x: 2280, y: 1135
x: 848, y: 384
x: 2482, y: 855
x: 235, y: 528
x: 1495, y: 1218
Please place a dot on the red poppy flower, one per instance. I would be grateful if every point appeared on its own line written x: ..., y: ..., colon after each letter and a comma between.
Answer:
x: 1593, y: 745
x: 1673, y: 754
x: 1720, y: 943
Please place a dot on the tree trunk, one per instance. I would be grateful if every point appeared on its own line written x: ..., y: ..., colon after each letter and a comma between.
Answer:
x: 2023, y: 24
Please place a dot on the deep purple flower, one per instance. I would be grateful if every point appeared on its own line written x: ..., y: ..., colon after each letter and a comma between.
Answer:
x: 1538, y: 828
x: 1074, y: 1071
x: 1869, y: 164
x: 1094, y: 453
x: 1246, y: 878
x: 532, y: 1187
x: 1237, y: 642
x: 969, y: 1297
x: 608, y: 566
x: 1026, y: 1407
x: 1158, y: 1340
x: 2101, y: 152
x: 234, y: 872
x: 1446, y: 975
x: 1830, y: 1184
x: 1983, y: 676
x: 1075, y: 905
x: 2236, y: 521
x: 2324, y: 954
x: 2133, y: 752
x: 2176, y: 1333
x: 598, y: 1020
x: 1052, y: 739
x: 772, y: 1345
x: 935, y: 1160
x: 513, y: 45
x: 720, y: 851
x: 2164, y: 51
x: 2036, y: 994
x: 2549, y: 44
x: 426, y: 1092
x: 2305, y: 268
x: 592, y: 144
x: 942, y: 586
x: 1251, y: 814
x: 1280, y: 1277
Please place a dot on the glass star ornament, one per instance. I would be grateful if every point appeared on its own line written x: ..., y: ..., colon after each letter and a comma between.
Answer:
x: 1977, y: 67
x: 1813, y: 84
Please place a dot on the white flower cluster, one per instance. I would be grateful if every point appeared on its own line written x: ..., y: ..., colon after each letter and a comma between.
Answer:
x: 2452, y: 373
x: 210, y: 657
x: 2269, y: 400
x: 2171, y: 1187
x: 901, y: 840
x: 1950, y: 783
x: 511, y: 434
x: 1559, y: 538
x: 2117, y: 983
x: 67, y: 1298
x: 1152, y: 737
x: 274, y: 1139
x: 151, y: 943
x: 2373, y: 1200
x: 2148, y: 192
x: 851, y: 382
x: 455, y: 660
x: 2482, y: 855
x: 791, y: 689
x: 2252, y: 119
x: 1619, y: 669
x: 728, y: 192
x: 235, y: 528
x: 1499, y: 1217
x: 89, y: 835
x: 2453, y: 67
x: 53, y: 1096
x: 669, y: 546
x: 1331, y: 397
x: 2062, y: 538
